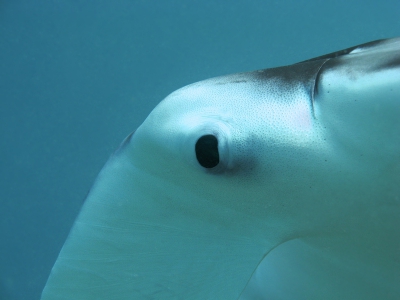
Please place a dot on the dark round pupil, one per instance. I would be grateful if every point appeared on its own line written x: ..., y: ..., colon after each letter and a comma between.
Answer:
x: 207, y: 151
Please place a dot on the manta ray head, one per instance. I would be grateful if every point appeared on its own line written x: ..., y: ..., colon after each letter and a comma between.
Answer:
x: 294, y: 170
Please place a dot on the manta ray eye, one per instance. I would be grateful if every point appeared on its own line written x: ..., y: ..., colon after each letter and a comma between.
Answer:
x: 207, y: 151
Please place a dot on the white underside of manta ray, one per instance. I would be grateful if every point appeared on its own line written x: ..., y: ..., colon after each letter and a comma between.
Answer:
x: 288, y: 176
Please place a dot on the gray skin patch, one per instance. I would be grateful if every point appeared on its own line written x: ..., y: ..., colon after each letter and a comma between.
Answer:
x: 390, y: 64
x: 308, y: 73
x: 304, y: 74
x: 346, y: 51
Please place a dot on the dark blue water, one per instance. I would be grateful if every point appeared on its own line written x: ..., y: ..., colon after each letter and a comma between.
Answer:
x: 76, y: 77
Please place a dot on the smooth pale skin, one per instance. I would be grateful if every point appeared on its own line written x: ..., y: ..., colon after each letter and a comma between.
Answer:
x: 308, y: 180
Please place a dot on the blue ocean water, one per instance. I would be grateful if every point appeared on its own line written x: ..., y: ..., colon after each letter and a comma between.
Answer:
x: 76, y: 77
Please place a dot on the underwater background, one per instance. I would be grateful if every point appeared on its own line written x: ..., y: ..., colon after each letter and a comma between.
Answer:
x: 78, y: 76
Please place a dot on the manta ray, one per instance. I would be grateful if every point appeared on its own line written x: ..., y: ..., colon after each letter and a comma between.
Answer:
x: 282, y: 183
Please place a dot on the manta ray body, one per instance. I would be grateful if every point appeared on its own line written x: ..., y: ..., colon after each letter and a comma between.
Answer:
x: 282, y: 183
